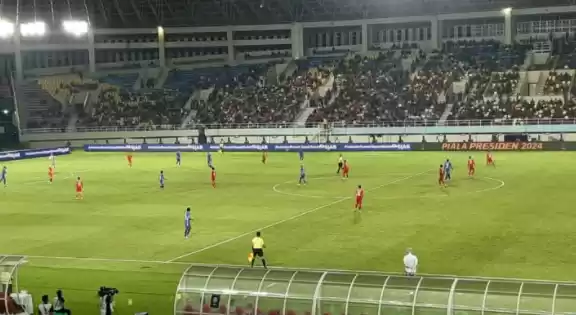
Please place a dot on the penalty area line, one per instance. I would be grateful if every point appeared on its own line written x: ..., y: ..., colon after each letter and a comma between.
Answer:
x: 296, y: 216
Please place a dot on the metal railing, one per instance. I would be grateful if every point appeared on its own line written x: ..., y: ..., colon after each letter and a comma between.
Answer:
x: 379, y: 124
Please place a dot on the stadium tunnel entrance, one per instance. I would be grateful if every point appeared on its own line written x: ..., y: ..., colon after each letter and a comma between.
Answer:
x: 237, y: 290
x: 12, y: 301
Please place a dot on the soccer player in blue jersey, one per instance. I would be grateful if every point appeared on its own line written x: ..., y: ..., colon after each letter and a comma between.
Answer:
x: 3, y: 175
x: 448, y: 170
x: 187, y: 223
x: 161, y: 179
x: 301, y: 155
x: 209, y: 159
x: 302, y: 179
x: 178, y: 159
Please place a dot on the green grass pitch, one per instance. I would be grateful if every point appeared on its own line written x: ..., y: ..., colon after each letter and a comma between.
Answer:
x: 516, y: 220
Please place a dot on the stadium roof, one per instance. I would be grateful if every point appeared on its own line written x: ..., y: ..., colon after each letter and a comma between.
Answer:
x: 153, y: 13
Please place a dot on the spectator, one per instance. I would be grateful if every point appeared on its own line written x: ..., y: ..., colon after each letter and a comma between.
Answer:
x: 59, y: 304
x: 45, y: 308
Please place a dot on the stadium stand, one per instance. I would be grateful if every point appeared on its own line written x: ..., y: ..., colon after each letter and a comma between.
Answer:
x: 187, y: 80
x: 259, y: 103
x: 376, y: 90
x: 557, y: 83
x: 43, y: 110
x: 371, y: 89
x: 143, y: 109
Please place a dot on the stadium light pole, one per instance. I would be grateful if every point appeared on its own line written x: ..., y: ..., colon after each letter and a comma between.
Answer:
x: 75, y: 28
x: 6, y: 29
x: 507, y: 12
x: 33, y: 29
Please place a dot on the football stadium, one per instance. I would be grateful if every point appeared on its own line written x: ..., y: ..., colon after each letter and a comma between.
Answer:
x: 287, y: 157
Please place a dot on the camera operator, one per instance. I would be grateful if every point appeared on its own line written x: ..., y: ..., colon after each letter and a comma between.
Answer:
x: 106, y: 304
x: 107, y: 300
x: 59, y: 306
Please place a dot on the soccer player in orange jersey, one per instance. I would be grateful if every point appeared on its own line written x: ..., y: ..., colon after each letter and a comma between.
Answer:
x: 213, y: 177
x: 441, y: 181
x: 471, y: 166
x: 79, y: 188
x: 359, y: 198
x: 345, y: 169
x: 490, y: 159
x: 129, y: 158
x: 50, y: 174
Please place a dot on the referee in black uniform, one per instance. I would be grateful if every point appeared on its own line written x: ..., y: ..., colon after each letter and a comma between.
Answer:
x: 258, y: 250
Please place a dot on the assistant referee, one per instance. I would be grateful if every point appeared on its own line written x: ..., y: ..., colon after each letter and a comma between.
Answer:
x: 258, y: 250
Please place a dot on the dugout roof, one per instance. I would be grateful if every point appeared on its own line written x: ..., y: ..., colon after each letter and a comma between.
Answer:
x: 9, y: 275
x: 237, y: 290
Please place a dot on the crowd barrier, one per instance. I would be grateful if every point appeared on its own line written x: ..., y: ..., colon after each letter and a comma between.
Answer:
x: 30, y: 154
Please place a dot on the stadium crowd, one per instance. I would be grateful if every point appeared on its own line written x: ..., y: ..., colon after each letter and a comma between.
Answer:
x: 378, y: 88
x: 261, y: 104
x: 128, y: 109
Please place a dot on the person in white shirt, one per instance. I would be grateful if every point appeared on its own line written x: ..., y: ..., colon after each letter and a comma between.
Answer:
x: 45, y: 308
x: 410, y: 263
x: 58, y: 305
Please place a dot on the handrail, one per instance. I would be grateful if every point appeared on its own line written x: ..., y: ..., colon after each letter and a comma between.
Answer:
x: 16, y: 107
x: 379, y: 124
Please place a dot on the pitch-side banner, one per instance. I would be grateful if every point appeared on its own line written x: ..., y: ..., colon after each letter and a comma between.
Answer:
x: 247, y: 147
x: 30, y: 154
x: 508, y: 146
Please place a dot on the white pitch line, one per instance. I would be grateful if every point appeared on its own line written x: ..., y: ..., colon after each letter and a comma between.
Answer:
x: 301, y: 214
x: 95, y: 259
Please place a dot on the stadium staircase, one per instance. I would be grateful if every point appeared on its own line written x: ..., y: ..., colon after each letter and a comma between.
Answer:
x: 522, y: 84
x: 302, y: 117
x: 204, y: 94
x: 289, y: 71
x: 161, y: 80
x: 35, y: 97
x: 32, y: 100
x: 189, y: 118
x: 72, y: 121
x: 541, y: 83
x: 445, y: 114
x: 195, y: 96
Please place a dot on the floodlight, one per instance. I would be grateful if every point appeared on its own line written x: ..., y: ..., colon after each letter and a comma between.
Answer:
x: 160, y: 30
x: 75, y: 27
x: 33, y: 29
x: 507, y: 11
x: 6, y: 29
x: 6, y: 112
